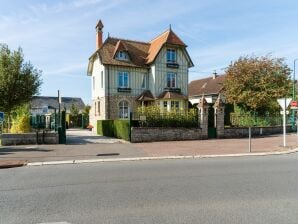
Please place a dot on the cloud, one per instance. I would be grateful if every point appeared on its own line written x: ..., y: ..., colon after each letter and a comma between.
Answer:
x: 67, y: 70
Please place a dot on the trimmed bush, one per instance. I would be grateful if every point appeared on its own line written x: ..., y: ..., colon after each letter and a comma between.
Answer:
x: 121, y: 129
x: 105, y: 128
x: 114, y: 128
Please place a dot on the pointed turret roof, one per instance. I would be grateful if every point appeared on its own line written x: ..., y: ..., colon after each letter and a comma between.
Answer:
x: 168, y: 37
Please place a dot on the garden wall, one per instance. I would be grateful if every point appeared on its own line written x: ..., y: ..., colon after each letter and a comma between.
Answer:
x: 29, y: 138
x: 255, y: 131
x: 150, y: 134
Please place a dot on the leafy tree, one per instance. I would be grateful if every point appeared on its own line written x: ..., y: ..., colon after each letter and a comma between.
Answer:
x: 74, y: 110
x: 19, y: 80
x: 86, y: 110
x: 255, y: 83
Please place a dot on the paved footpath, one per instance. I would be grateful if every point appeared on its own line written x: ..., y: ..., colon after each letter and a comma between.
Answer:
x: 84, y: 145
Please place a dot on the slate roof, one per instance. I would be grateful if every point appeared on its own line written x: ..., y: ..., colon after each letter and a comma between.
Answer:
x: 206, y: 86
x: 43, y: 101
x: 141, y: 54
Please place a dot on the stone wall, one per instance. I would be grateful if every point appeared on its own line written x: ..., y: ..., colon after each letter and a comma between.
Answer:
x: 29, y: 138
x: 255, y: 131
x: 144, y: 134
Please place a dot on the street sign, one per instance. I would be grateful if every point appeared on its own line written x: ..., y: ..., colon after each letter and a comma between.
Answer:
x: 294, y: 104
x: 284, y: 102
x: 1, y: 116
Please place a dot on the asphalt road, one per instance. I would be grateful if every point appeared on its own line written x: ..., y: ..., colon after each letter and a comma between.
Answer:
x: 218, y: 190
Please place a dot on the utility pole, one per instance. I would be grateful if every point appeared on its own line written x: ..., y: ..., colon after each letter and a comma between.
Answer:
x: 294, y: 95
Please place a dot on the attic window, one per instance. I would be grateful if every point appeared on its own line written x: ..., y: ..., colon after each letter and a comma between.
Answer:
x: 122, y: 55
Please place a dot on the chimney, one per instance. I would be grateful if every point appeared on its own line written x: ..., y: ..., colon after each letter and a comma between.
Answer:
x: 98, y: 28
x: 214, y: 75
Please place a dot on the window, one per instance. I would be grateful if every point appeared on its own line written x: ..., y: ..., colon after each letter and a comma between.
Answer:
x: 122, y: 55
x: 123, y: 80
x: 175, y: 105
x: 171, y: 56
x: 101, y: 77
x: 145, y: 81
x: 171, y: 80
x: 98, y: 107
x: 165, y: 106
x: 95, y: 108
x: 123, y: 109
x: 93, y: 83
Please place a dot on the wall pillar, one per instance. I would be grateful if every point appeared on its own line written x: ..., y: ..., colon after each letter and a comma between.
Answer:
x: 219, y: 117
x: 203, y: 116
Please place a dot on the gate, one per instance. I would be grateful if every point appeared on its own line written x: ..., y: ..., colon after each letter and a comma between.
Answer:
x: 211, y: 125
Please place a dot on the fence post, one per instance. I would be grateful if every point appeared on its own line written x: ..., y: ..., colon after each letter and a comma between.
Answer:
x: 249, y: 139
x: 219, y: 109
x: 130, y: 120
x: 203, y: 115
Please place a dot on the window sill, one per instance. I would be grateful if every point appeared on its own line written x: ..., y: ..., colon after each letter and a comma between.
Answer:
x: 124, y: 90
x: 172, y: 65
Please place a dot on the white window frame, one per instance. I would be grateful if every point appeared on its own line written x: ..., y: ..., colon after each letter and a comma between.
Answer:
x: 175, y: 105
x: 145, y: 81
x: 121, y: 75
x: 123, y: 107
x: 101, y: 77
x: 93, y: 82
x: 172, y: 75
x: 122, y: 55
x: 171, y: 55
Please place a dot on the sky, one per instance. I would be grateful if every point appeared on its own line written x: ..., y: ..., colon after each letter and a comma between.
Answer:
x: 58, y: 36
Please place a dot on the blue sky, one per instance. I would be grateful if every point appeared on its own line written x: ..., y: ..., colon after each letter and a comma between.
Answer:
x: 58, y: 36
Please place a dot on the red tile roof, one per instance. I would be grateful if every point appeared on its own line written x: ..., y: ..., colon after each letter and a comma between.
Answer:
x: 141, y: 53
x: 171, y: 95
x: 206, y: 86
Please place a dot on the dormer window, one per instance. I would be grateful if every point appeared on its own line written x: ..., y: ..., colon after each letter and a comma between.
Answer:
x: 171, y: 56
x: 122, y: 55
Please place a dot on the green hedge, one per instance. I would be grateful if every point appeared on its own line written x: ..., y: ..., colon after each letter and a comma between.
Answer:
x: 114, y: 128
x: 105, y: 127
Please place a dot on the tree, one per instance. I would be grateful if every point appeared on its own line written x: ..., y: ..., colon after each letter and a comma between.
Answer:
x: 19, y: 80
x: 86, y: 110
x: 255, y: 83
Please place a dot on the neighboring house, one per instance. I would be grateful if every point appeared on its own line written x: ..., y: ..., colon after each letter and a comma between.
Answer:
x: 126, y: 74
x: 210, y: 87
x: 41, y: 105
x: 46, y: 105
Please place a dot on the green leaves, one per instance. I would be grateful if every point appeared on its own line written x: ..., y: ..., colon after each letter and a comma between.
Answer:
x: 19, y: 80
x: 255, y: 83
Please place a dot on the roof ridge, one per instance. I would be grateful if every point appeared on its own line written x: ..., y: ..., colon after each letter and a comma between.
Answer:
x: 136, y: 41
x: 168, y: 30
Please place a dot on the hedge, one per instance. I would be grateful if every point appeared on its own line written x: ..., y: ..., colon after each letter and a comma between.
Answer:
x: 114, y: 128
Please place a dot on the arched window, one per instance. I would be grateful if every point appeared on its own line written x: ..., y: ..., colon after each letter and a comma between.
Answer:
x: 123, y: 109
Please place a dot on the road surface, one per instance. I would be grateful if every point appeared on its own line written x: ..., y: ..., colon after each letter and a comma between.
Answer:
x: 218, y: 190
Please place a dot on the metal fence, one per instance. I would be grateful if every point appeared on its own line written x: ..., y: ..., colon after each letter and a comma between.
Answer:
x: 237, y: 120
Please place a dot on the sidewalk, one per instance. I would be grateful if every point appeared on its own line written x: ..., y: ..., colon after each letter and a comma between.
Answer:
x: 99, y: 147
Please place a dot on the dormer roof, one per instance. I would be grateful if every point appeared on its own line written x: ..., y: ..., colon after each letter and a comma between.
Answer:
x: 120, y: 46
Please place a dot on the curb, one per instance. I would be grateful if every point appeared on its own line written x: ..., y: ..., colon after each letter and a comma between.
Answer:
x: 12, y: 163
x: 80, y: 161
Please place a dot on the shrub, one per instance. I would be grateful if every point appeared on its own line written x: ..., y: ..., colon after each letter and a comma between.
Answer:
x: 105, y: 128
x: 114, y: 128
x: 157, y: 118
x: 121, y: 129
